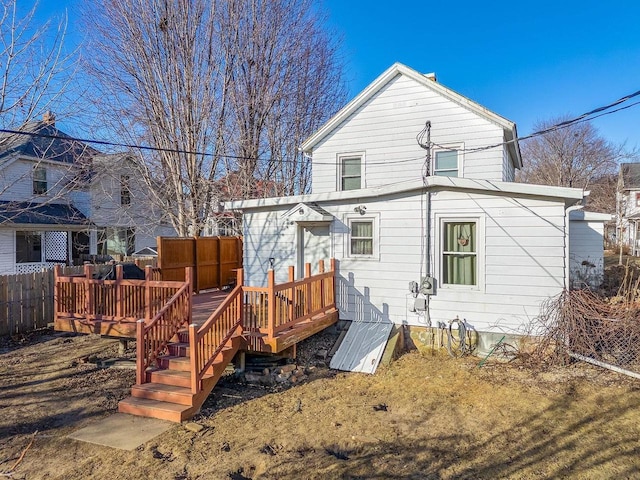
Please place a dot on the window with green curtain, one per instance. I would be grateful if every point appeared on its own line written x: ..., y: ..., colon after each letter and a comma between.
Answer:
x: 351, y: 173
x: 362, y: 237
x: 446, y: 163
x: 460, y: 255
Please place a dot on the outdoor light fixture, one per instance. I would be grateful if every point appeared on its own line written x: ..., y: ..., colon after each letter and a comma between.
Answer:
x: 361, y: 209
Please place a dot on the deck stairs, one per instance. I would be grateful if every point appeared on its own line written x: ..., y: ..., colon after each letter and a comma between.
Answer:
x: 167, y: 394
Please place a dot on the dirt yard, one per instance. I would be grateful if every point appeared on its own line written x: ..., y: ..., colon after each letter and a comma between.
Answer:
x: 421, y: 418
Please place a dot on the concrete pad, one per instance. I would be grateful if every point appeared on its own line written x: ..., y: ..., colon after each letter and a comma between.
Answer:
x: 122, y: 431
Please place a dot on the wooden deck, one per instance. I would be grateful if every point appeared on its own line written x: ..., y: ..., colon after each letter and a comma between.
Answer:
x: 183, y: 340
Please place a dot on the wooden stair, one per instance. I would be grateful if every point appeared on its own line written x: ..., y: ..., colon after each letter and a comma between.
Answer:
x: 167, y: 392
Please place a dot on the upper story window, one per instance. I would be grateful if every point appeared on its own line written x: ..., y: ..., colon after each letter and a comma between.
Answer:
x: 39, y: 180
x: 350, y: 172
x: 459, y: 253
x: 445, y: 163
x: 638, y: 199
x: 125, y: 192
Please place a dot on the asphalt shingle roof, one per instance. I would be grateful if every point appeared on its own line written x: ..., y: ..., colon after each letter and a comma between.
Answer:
x: 17, y: 213
x: 62, y: 148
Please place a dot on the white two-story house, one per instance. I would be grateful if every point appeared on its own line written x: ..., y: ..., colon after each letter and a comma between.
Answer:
x: 60, y: 200
x: 414, y: 195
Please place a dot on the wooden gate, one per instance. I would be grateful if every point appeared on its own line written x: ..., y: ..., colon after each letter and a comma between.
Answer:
x: 214, y: 259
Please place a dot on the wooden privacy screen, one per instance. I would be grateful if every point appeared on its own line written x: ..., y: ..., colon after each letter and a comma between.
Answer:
x: 214, y: 259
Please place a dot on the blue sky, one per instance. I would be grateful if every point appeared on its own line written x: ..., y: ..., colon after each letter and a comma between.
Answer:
x: 526, y: 61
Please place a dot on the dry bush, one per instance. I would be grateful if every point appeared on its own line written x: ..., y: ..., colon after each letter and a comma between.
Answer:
x: 605, y: 328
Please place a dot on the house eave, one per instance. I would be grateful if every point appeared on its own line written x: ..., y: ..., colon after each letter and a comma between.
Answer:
x: 399, y: 69
x: 569, y: 195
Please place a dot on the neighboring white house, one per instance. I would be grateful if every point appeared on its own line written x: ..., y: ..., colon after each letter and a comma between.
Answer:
x: 59, y: 202
x: 422, y: 234
x: 628, y: 207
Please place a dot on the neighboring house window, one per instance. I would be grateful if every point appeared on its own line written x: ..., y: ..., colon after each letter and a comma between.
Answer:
x: 116, y: 241
x: 459, y: 253
x: 362, y: 241
x: 39, y: 180
x: 638, y: 199
x: 350, y: 172
x: 28, y: 247
x: 446, y: 163
x: 125, y: 193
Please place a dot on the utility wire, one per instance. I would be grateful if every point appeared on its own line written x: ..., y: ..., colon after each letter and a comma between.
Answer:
x: 601, y: 111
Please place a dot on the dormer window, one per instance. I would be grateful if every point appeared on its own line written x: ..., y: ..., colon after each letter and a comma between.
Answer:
x: 39, y: 180
x: 350, y: 171
x: 445, y: 163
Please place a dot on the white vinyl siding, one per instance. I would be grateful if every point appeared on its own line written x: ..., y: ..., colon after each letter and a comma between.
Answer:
x: 386, y: 127
x: 586, y: 252
x: 522, y: 256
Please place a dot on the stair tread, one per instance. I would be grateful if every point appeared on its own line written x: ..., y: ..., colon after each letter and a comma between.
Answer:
x: 161, y: 387
x: 154, y: 404
x: 175, y: 373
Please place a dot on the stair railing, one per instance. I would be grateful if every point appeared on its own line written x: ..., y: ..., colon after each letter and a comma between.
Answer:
x: 207, y: 341
x: 154, y: 334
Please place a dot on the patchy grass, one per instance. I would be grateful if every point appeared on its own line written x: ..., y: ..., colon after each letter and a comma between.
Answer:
x: 443, y: 418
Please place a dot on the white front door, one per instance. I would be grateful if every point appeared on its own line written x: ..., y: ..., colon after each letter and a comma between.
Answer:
x: 314, y: 244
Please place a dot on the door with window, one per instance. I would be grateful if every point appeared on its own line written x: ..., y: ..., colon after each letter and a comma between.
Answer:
x: 314, y: 244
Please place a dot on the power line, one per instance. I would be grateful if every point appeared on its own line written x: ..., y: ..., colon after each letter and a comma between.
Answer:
x: 590, y: 115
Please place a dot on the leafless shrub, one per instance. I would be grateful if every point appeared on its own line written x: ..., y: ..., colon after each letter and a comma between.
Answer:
x: 583, y: 322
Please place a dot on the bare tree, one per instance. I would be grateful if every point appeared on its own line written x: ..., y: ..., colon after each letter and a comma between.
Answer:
x: 286, y: 82
x: 574, y: 156
x: 206, y: 81
x: 35, y: 70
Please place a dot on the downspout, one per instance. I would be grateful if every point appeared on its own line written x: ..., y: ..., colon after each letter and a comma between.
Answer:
x: 567, y: 258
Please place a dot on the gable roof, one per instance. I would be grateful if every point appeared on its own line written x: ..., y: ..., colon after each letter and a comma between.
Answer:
x: 630, y: 173
x: 509, y: 128
x: 42, y: 140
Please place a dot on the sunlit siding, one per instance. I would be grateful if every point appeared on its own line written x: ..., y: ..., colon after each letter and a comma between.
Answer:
x: 385, y: 129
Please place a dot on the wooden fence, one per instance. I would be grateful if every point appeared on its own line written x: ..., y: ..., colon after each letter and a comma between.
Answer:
x: 214, y: 260
x: 26, y: 300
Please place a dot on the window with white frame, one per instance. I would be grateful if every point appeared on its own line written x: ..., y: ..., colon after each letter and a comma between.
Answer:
x: 460, y: 252
x: 350, y: 172
x: 39, y: 180
x: 445, y: 163
x: 361, y: 240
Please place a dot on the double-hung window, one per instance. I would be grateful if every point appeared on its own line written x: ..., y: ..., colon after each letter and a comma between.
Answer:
x: 460, y: 252
x: 445, y: 163
x: 350, y: 172
x: 39, y: 180
x: 361, y: 238
x: 125, y: 192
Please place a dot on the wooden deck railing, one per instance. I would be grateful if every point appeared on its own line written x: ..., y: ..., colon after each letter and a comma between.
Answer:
x: 89, y: 298
x: 208, y: 340
x: 278, y: 307
x: 153, y: 335
x: 259, y: 310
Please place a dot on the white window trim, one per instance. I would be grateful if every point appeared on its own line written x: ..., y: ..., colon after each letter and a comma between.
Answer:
x: 373, y: 217
x: 340, y: 158
x: 447, y: 147
x: 440, y: 220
